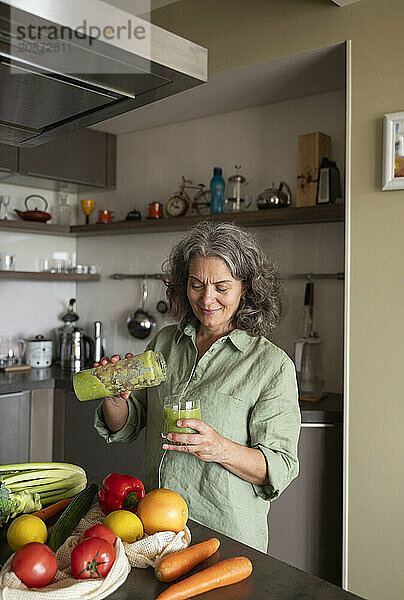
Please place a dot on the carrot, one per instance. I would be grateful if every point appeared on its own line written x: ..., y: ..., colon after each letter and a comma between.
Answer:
x: 52, y: 509
x: 174, y: 565
x: 222, y: 573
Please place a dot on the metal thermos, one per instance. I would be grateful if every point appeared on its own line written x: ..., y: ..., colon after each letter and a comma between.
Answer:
x: 98, y: 349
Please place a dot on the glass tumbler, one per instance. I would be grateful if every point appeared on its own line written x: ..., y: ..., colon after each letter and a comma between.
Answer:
x: 179, y: 407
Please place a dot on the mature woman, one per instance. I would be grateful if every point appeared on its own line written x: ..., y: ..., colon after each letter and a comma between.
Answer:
x: 224, y: 292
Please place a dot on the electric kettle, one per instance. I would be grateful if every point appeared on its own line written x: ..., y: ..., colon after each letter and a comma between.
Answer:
x: 75, y: 350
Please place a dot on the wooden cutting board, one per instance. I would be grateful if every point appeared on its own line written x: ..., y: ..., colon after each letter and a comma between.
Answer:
x: 16, y: 368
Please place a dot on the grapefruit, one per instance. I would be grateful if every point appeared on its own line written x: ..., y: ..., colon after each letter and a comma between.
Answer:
x: 162, y: 510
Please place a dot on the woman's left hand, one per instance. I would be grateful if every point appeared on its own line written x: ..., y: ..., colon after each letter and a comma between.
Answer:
x: 208, y: 445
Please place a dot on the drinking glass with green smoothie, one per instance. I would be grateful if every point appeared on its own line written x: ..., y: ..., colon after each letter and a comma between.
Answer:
x: 175, y: 408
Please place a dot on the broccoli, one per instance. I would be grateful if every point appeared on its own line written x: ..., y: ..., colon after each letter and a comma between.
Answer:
x: 13, y: 503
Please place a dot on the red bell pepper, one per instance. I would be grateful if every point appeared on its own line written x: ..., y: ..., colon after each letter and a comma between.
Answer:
x: 120, y: 492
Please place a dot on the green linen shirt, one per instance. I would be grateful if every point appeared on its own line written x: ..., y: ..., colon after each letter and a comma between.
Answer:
x: 248, y: 393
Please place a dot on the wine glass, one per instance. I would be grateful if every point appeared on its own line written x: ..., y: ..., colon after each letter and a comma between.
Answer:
x: 4, y: 202
x: 87, y: 206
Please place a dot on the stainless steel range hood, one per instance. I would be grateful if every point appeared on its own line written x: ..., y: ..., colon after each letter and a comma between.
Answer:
x: 68, y: 64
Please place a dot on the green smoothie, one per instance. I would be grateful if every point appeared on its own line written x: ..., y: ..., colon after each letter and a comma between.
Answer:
x: 141, y: 371
x: 172, y: 415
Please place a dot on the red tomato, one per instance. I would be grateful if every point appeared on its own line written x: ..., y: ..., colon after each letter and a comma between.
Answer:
x: 99, y: 531
x: 35, y: 564
x: 92, y: 559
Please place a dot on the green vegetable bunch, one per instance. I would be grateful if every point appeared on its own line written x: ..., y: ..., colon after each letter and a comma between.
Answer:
x: 27, y: 487
x: 12, y: 504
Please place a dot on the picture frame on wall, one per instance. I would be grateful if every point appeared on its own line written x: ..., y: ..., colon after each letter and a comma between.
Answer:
x: 393, y: 151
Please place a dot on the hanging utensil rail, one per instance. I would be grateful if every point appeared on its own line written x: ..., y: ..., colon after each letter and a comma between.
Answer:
x: 133, y: 276
x: 340, y: 276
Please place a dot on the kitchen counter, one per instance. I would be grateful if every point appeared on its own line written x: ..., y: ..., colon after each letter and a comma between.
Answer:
x: 36, y: 379
x: 328, y: 410
x: 271, y: 578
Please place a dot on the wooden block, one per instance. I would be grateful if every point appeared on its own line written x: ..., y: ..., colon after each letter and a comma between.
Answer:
x: 311, y: 149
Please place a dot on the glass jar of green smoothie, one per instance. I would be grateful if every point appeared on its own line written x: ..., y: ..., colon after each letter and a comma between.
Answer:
x: 144, y: 370
x: 175, y: 408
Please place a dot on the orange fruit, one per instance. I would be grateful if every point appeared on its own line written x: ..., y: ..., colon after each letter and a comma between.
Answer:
x: 162, y: 510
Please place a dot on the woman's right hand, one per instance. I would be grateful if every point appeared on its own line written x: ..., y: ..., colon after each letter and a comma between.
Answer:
x: 114, y: 358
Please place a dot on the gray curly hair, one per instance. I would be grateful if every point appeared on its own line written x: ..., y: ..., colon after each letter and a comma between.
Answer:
x: 260, y: 307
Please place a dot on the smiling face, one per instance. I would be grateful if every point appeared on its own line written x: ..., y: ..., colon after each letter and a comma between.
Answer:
x: 213, y: 293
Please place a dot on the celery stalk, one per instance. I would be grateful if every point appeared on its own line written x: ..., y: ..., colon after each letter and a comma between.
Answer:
x: 24, y: 486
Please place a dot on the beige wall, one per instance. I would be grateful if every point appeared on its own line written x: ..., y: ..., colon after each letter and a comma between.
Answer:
x: 242, y: 32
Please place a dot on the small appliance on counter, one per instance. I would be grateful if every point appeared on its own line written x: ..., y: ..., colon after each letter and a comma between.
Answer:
x: 308, y: 353
x: 74, y: 349
x: 38, y: 352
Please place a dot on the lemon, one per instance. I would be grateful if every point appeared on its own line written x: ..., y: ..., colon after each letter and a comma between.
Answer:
x: 26, y: 529
x: 125, y: 524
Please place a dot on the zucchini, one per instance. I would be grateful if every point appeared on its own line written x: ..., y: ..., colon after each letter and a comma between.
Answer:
x: 70, y: 517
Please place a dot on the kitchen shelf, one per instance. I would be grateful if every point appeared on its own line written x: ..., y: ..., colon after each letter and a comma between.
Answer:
x: 39, y: 276
x: 34, y: 227
x: 258, y: 218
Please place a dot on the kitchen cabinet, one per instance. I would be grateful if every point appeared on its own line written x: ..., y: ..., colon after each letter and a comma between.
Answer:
x: 85, y: 157
x: 79, y: 161
x: 76, y: 441
x: 8, y: 160
x: 15, y: 424
x: 305, y: 522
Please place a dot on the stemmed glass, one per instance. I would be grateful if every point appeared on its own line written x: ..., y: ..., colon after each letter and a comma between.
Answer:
x: 4, y: 202
x: 87, y: 206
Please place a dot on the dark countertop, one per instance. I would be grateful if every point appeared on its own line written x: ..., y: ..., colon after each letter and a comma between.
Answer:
x: 328, y: 410
x: 271, y: 578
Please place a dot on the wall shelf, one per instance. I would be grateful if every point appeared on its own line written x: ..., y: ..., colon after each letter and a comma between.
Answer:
x: 34, y: 227
x: 39, y: 276
x: 258, y: 218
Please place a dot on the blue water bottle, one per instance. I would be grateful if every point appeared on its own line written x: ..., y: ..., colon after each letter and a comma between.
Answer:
x: 217, y: 186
